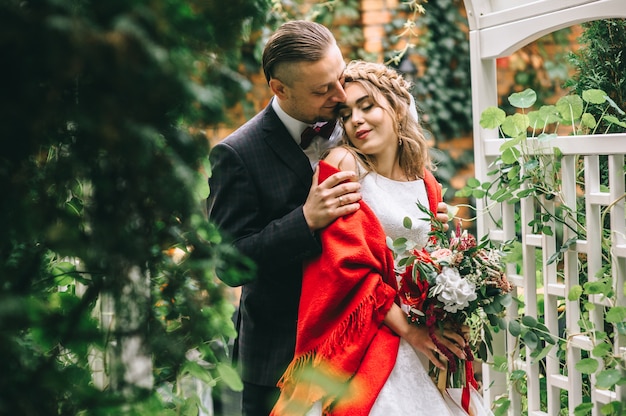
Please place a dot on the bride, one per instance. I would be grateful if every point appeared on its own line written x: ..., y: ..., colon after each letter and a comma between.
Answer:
x: 356, y: 354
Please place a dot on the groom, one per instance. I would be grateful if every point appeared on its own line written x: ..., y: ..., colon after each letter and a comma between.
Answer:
x: 264, y: 195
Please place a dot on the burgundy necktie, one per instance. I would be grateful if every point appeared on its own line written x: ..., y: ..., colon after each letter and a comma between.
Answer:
x: 323, y: 130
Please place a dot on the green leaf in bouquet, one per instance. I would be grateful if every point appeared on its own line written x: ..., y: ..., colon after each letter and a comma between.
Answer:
x: 400, y: 242
x: 503, y: 194
x: 492, y: 117
x: 505, y: 300
x: 531, y: 164
x: 557, y: 255
x: 529, y: 321
x: 587, y: 365
x: 473, y: 183
x: 491, y: 309
x: 542, y: 328
x: 407, y: 223
x: 482, y: 351
x: 515, y: 328
x: 531, y: 340
x: 405, y: 261
x: 389, y: 242
x: 547, y: 337
x: 524, y: 193
x: 524, y: 99
x: 601, y: 335
x: 539, y: 355
x: 589, y: 306
x: 502, y: 324
x: 487, y: 337
x: 513, y: 175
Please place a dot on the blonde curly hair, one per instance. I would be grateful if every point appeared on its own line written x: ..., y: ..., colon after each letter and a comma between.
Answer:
x: 383, y: 83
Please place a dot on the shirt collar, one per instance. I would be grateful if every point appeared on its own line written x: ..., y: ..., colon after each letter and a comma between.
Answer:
x: 294, y: 127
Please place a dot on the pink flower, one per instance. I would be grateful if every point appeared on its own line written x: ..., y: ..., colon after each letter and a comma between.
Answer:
x: 462, y: 242
x: 443, y: 254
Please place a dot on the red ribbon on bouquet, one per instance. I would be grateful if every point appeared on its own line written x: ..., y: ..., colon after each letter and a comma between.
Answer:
x: 436, y: 315
x: 469, y: 381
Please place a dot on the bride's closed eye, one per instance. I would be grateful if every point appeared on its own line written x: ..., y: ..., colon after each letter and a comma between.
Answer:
x: 346, y: 113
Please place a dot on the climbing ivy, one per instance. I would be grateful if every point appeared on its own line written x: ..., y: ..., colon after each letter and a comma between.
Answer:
x: 441, y: 55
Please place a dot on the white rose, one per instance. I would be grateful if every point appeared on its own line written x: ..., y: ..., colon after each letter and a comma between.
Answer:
x: 453, y: 291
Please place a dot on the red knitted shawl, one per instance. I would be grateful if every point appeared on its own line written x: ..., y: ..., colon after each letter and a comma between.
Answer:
x: 344, y: 353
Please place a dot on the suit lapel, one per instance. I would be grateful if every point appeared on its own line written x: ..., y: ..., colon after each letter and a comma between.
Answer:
x: 280, y: 141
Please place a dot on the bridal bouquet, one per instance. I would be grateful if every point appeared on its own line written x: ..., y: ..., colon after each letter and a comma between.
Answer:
x: 450, y: 282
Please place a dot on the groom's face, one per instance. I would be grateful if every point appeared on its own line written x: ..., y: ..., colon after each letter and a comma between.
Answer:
x: 312, y: 90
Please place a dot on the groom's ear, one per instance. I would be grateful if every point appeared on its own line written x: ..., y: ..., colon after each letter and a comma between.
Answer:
x: 278, y: 88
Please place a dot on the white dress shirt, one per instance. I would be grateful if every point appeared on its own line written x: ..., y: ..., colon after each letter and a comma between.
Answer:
x: 318, y: 146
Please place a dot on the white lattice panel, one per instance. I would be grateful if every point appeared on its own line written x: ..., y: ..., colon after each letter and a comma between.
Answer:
x: 497, y: 28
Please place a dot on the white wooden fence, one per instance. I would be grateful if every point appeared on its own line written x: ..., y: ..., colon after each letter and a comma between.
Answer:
x: 498, y: 28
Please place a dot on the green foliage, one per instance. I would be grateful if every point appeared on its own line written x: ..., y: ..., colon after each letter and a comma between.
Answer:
x: 600, y: 64
x: 99, y: 176
x: 526, y: 168
x: 443, y: 90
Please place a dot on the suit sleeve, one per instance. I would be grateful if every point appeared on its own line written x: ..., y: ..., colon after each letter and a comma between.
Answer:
x: 235, y: 205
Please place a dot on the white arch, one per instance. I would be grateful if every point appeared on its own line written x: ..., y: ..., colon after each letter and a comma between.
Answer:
x: 497, y: 29
x: 505, y: 31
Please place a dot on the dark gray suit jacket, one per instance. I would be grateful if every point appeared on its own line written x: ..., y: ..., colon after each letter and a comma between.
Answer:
x: 260, y: 180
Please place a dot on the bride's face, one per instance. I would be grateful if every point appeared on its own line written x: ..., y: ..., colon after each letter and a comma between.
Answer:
x: 368, y: 125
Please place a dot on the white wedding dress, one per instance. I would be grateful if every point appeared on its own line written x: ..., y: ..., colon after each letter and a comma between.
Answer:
x: 409, y: 389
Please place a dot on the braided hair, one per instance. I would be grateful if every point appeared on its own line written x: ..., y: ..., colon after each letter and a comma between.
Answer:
x: 384, y: 83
